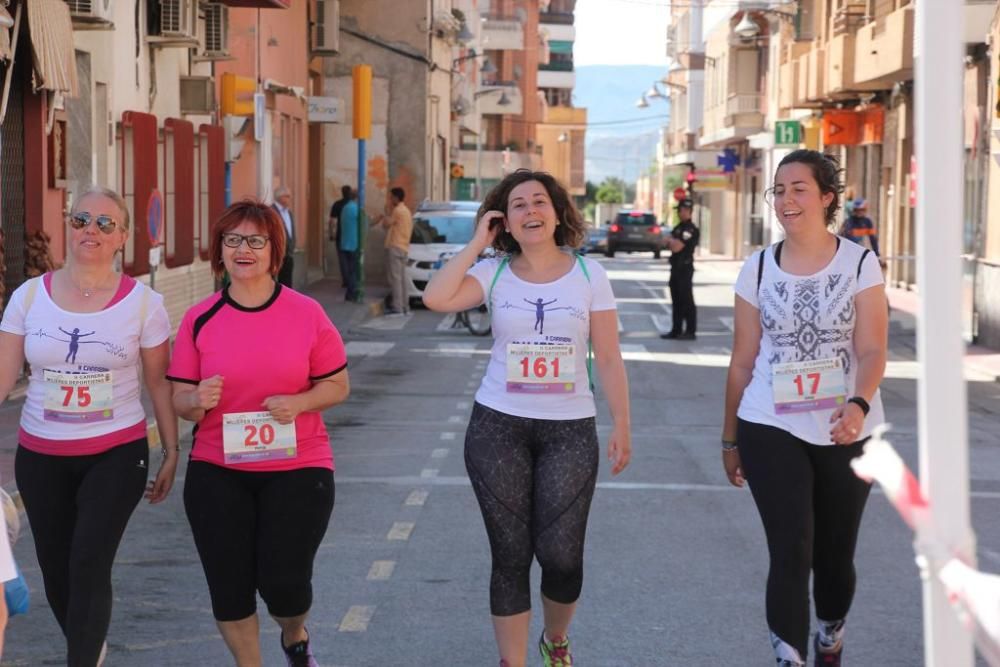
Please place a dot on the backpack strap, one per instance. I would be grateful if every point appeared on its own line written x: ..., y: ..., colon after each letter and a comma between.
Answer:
x: 760, y: 268
x: 143, y: 309
x: 862, y: 261
x: 31, y: 291
x: 496, y: 276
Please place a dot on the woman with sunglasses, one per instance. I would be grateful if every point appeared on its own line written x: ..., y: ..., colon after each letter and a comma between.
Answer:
x: 255, y: 365
x: 82, y: 460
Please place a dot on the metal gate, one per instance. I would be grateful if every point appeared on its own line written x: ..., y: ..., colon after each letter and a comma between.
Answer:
x: 12, y: 184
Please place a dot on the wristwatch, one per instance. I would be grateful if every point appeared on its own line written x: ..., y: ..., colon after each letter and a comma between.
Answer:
x: 861, y: 403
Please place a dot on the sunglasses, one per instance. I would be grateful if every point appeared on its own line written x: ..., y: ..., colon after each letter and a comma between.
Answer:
x: 81, y: 219
x: 234, y: 240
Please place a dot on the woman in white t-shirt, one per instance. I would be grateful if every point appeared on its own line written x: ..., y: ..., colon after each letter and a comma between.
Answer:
x: 531, y: 448
x: 82, y: 461
x: 802, y: 397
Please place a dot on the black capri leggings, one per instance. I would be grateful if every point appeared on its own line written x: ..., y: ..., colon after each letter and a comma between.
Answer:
x: 534, y: 479
x: 258, y: 531
x: 811, y: 503
x: 78, y: 507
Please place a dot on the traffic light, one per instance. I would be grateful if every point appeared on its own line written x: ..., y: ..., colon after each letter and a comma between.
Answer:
x: 237, y: 95
x: 362, y: 79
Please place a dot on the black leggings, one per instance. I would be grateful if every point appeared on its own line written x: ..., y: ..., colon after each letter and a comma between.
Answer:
x: 78, y: 507
x: 811, y: 503
x: 534, y: 479
x: 258, y: 531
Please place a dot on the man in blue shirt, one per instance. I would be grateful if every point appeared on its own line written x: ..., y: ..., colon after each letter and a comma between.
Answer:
x: 347, y: 247
x: 860, y: 228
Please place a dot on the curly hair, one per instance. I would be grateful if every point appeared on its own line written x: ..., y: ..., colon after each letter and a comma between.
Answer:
x: 826, y: 171
x: 572, y: 229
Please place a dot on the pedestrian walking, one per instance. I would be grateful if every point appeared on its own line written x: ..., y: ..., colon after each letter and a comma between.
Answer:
x: 398, y: 222
x: 82, y: 459
x: 255, y: 365
x: 336, y: 228
x: 531, y: 448
x: 802, y: 398
x: 858, y: 227
x: 683, y: 240
x: 283, y: 206
x: 348, y: 245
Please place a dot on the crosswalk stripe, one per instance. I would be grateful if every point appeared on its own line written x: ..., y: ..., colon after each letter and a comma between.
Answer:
x: 416, y: 498
x: 400, y: 530
x: 357, y: 619
x: 381, y: 570
x: 357, y: 348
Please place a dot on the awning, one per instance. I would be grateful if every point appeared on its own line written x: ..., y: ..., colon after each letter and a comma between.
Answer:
x: 52, y: 45
x: 6, y: 21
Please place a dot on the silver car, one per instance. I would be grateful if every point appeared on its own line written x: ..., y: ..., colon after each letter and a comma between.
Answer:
x: 440, y: 231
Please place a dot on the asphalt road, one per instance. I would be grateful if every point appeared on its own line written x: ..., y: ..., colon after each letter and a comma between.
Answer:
x: 675, y: 560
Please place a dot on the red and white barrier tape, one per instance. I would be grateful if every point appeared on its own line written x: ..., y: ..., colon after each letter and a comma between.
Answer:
x: 974, y: 595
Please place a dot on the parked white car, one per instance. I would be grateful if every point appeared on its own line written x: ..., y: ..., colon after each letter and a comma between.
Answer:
x: 440, y: 230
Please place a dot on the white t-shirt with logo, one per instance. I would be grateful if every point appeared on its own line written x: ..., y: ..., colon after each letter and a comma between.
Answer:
x: 70, y: 352
x: 806, y: 318
x: 541, y: 314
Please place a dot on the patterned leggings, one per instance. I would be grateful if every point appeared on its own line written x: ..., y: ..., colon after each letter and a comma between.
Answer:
x: 534, y: 479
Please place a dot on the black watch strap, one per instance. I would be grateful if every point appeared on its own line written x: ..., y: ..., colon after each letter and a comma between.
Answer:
x: 861, y: 403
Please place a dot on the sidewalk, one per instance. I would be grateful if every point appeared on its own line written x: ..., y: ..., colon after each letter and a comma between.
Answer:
x: 345, y: 315
x: 979, y: 360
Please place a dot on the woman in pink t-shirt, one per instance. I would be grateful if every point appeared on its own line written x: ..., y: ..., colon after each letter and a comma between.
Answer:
x: 82, y: 460
x: 255, y: 365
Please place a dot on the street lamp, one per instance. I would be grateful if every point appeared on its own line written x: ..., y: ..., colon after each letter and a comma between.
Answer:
x: 503, y: 101
x: 487, y: 67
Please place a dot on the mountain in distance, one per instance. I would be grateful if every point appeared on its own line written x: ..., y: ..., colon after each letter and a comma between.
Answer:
x: 621, y: 138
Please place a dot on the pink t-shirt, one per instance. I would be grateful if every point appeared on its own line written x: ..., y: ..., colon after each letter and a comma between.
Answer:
x: 280, y: 348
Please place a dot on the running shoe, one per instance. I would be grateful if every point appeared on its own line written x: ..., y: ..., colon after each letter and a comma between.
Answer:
x: 298, y: 654
x: 827, y: 657
x: 555, y: 653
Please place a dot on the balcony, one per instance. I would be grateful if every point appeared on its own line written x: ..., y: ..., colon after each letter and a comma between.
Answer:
x: 978, y: 17
x: 816, y: 64
x: 502, y: 33
x: 553, y: 79
x: 489, y: 102
x: 743, y: 104
x: 557, y: 18
x: 884, y: 49
x: 788, y: 84
x: 495, y: 164
x: 556, y: 66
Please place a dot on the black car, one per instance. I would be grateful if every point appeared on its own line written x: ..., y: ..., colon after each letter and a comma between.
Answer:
x: 635, y: 231
x: 597, y: 240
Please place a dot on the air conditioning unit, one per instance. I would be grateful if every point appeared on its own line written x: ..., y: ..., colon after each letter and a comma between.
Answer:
x: 197, y: 95
x: 91, y: 14
x: 177, y: 20
x: 326, y: 28
x: 215, y: 38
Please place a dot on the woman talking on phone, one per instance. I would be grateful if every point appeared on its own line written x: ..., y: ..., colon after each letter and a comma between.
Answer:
x: 531, y: 448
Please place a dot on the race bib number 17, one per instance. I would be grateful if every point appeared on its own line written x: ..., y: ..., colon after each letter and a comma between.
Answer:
x: 809, y: 385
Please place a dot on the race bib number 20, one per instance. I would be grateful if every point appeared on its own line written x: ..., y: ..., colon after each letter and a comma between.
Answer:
x: 256, y: 436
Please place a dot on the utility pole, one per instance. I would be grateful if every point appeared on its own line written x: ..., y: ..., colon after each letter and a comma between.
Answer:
x: 941, y: 392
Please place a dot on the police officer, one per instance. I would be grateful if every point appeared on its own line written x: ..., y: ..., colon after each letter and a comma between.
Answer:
x: 682, y: 242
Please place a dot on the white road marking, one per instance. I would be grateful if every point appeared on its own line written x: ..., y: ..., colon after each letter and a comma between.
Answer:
x: 633, y: 348
x: 447, y: 435
x: 447, y: 323
x: 416, y: 498
x: 357, y: 619
x: 454, y: 349
x: 428, y: 473
x: 621, y: 327
x: 381, y: 570
x: 611, y: 486
x: 388, y: 322
x: 463, y: 405
x: 400, y: 530
x: 440, y: 453
x: 358, y: 348
x: 455, y: 419
x: 727, y: 322
x: 663, y: 323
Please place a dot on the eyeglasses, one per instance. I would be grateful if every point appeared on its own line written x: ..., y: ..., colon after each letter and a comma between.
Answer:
x: 81, y: 219
x: 234, y: 240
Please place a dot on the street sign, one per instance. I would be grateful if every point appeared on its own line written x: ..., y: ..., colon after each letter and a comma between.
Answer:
x: 679, y: 194
x: 787, y: 133
x: 154, y: 217
x: 326, y: 110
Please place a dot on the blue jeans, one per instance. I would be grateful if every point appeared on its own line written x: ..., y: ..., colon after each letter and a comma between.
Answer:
x: 349, y: 272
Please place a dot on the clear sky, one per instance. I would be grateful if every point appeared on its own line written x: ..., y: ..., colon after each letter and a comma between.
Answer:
x: 621, y: 32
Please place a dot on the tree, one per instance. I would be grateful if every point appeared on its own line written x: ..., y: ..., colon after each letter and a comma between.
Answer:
x: 614, y: 190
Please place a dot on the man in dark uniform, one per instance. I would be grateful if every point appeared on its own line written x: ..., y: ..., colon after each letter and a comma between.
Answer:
x: 682, y: 242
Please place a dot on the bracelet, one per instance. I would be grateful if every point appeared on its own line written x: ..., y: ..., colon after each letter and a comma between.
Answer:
x: 861, y: 403
x: 164, y: 449
x: 728, y: 445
